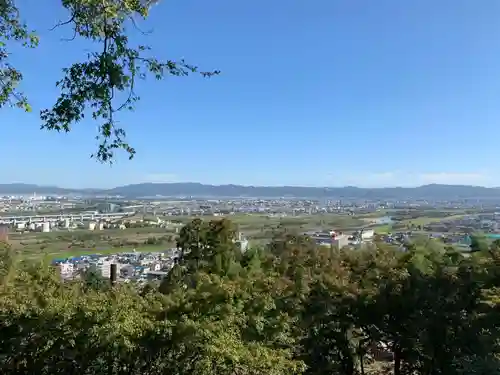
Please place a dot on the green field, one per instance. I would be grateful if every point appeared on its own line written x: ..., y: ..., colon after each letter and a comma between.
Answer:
x: 383, y: 229
x: 253, y: 224
x: 430, y: 220
x: 256, y: 227
x: 75, y: 253
x: 420, y: 221
x: 63, y: 244
x: 261, y: 228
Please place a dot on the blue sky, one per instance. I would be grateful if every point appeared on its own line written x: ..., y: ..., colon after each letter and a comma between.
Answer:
x: 319, y: 93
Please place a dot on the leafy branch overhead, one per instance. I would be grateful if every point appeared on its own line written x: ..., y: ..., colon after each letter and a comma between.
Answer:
x: 105, y: 83
x: 12, y: 30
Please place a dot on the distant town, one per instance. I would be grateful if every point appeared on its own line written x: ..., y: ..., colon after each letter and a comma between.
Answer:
x: 139, y: 235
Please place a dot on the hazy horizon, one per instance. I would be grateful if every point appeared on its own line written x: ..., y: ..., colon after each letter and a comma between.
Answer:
x: 241, y: 185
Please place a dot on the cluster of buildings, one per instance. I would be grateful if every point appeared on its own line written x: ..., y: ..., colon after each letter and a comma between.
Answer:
x: 33, y: 203
x: 263, y: 206
x: 339, y: 239
x: 134, y: 266
x: 399, y: 238
x: 489, y: 223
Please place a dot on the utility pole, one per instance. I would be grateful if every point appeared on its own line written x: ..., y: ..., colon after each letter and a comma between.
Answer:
x: 112, y: 274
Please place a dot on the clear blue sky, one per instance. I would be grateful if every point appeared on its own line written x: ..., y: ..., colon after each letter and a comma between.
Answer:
x: 323, y: 93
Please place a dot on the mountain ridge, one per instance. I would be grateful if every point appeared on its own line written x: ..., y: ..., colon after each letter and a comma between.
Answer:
x: 430, y: 191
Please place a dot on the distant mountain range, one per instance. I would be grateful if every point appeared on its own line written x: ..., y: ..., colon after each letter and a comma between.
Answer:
x: 433, y: 191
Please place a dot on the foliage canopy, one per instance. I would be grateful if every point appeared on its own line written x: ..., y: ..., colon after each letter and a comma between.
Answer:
x: 288, y: 308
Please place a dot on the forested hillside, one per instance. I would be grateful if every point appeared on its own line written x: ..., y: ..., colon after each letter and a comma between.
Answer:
x: 289, y: 308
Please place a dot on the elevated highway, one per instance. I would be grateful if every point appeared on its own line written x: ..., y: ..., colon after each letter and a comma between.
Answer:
x: 62, y: 217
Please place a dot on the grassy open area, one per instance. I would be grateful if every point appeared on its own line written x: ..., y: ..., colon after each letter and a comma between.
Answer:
x: 263, y: 227
x: 383, y: 229
x: 419, y: 221
x: 51, y: 255
x: 257, y: 228
x: 430, y: 220
x: 64, y: 244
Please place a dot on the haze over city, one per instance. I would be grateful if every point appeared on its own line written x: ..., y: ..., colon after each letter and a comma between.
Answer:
x: 365, y: 180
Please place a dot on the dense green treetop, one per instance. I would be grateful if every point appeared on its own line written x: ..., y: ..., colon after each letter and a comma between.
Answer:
x: 288, y: 308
